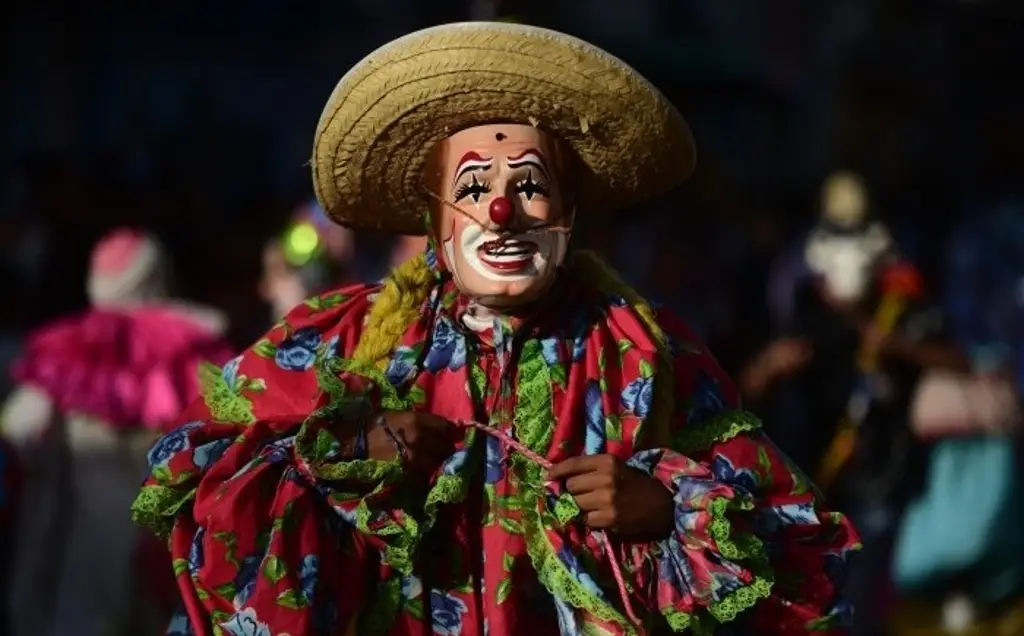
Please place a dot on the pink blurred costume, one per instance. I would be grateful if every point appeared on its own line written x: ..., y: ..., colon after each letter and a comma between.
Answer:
x: 93, y: 390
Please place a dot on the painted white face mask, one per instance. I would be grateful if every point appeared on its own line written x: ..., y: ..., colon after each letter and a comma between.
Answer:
x: 847, y: 262
x: 504, y: 231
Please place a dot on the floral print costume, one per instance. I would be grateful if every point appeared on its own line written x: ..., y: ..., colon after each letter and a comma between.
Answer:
x: 279, y: 526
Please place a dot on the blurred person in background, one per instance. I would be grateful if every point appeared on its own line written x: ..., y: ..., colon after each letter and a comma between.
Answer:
x: 961, y: 557
x: 861, y: 332
x: 311, y: 256
x: 314, y: 254
x: 93, y: 391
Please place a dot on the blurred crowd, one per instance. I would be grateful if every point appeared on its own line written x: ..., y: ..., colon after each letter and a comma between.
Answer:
x: 851, y: 247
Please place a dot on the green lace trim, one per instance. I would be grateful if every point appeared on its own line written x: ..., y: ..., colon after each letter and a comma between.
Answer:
x: 400, y: 533
x: 533, y: 425
x: 719, y: 428
x: 402, y: 538
x: 551, y: 571
x: 533, y: 419
x: 156, y: 507
x: 742, y: 548
x: 226, y: 403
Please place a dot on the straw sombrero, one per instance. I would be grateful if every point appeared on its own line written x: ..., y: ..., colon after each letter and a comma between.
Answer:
x: 393, y: 107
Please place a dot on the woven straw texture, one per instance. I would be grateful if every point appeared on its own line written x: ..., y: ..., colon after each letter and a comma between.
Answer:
x: 387, y: 114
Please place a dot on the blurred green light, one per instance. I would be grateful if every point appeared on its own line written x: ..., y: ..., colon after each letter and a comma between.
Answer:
x: 301, y: 243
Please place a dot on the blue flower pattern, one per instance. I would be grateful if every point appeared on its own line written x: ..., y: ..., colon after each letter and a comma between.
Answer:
x: 455, y: 462
x: 196, y: 557
x: 205, y: 455
x: 278, y: 451
x: 402, y: 366
x: 431, y: 255
x: 308, y: 573
x: 494, y: 456
x: 724, y: 583
x: 245, y: 579
x: 568, y: 625
x: 802, y: 514
x: 245, y: 623
x: 446, y: 612
x: 579, y: 347
x: 298, y: 351
x: 638, y: 396
x: 230, y: 371
x: 447, y: 348
x: 170, y: 444
x: 550, y: 351
x: 742, y: 479
x: 594, y: 440
x: 331, y: 348
x: 412, y: 587
x: 674, y: 567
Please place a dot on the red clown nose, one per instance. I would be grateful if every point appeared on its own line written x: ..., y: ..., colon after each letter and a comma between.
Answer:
x: 501, y: 211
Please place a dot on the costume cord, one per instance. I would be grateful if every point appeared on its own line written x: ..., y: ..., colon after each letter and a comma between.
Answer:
x: 605, y: 539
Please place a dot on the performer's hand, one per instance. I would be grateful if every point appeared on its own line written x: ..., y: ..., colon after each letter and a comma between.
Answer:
x: 786, y: 356
x: 780, y: 359
x: 425, y: 439
x: 616, y: 497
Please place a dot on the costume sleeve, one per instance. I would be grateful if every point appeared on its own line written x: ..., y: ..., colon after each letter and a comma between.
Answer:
x: 269, y: 522
x: 752, y: 544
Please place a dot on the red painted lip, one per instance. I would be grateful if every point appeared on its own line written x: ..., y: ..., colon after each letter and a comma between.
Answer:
x: 524, y: 250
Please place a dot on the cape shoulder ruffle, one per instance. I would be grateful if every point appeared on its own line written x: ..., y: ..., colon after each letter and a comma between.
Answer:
x: 127, y: 367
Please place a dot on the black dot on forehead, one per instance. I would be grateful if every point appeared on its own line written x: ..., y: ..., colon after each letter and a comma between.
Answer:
x: 500, y: 136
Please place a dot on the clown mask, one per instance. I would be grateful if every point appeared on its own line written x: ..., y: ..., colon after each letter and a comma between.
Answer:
x: 501, y: 223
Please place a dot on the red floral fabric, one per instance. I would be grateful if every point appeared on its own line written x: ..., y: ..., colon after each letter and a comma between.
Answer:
x: 277, y: 527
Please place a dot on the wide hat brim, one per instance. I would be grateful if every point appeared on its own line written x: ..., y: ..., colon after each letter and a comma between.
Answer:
x: 387, y: 114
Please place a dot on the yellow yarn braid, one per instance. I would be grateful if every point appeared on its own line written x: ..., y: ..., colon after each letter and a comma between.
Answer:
x: 404, y: 291
x: 600, y: 275
x: 394, y: 310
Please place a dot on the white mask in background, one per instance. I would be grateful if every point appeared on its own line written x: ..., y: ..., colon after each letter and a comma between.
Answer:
x: 847, y: 263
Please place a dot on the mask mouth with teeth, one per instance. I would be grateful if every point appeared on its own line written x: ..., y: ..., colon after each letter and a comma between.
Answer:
x: 511, y: 255
x: 507, y: 258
